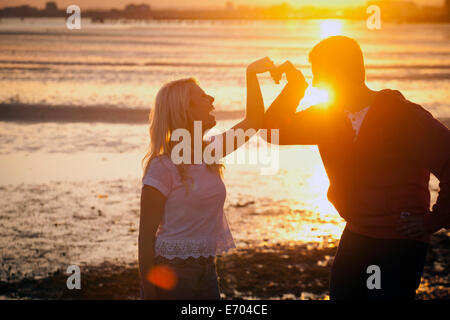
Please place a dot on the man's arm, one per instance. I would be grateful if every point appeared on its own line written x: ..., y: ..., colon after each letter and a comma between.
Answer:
x: 426, y: 141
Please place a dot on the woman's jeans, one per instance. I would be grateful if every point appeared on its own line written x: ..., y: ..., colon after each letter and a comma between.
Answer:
x: 196, y: 278
x: 400, y: 264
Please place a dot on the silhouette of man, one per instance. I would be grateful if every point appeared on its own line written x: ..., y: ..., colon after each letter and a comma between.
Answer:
x: 378, y: 150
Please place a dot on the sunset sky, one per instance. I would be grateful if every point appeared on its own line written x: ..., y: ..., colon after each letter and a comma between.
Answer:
x: 196, y: 3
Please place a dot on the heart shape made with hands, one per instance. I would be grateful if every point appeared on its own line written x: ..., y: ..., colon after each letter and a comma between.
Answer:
x: 277, y: 73
x: 292, y: 73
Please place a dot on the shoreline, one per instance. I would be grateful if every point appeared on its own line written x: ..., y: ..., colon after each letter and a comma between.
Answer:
x: 100, y: 18
x: 36, y: 113
x: 108, y: 114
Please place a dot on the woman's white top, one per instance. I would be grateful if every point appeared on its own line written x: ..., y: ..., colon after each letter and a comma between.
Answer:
x: 193, y: 223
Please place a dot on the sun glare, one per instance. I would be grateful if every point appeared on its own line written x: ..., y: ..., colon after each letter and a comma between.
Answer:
x: 330, y: 28
x: 313, y: 96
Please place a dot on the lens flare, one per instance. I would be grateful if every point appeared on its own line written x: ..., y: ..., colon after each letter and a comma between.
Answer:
x: 162, y: 276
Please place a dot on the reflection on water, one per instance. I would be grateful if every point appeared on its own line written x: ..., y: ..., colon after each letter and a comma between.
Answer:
x: 288, y: 206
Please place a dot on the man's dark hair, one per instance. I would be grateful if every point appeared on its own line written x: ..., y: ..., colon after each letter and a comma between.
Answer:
x: 341, y: 57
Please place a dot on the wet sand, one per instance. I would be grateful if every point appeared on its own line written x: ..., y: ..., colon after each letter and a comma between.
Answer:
x: 283, y: 271
x: 46, y: 227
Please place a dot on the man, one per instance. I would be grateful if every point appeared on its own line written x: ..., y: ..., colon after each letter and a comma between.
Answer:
x: 378, y: 150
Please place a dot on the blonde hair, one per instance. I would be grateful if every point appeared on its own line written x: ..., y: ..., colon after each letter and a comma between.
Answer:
x: 170, y: 111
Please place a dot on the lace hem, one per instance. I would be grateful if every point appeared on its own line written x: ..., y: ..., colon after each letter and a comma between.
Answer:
x: 192, y: 248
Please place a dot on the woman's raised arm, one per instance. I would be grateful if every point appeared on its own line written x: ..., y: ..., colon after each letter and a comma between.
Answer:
x: 235, y: 137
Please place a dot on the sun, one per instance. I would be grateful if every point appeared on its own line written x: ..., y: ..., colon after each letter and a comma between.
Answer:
x: 330, y: 28
x: 314, y: 96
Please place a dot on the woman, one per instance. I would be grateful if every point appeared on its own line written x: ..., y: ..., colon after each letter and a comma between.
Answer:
x: 182, y: 225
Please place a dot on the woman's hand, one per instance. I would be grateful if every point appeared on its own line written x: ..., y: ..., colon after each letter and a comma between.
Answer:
x: 254, y: 111
x: 260, y: 66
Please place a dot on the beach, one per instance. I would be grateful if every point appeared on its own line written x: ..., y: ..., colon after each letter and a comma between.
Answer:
x: 49, y: 226
x: 74, y: 127
x: 280, y: 271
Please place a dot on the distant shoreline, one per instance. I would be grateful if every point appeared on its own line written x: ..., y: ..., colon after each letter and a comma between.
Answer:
x: 234, y: 19
x: 404, y: 12
x: 108, y: 114
x: 36, y: 113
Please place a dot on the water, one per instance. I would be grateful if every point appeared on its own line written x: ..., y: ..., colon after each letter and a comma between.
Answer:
x: 123, y: 65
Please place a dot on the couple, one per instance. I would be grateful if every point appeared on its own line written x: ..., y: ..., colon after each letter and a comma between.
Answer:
x: 378, y: 150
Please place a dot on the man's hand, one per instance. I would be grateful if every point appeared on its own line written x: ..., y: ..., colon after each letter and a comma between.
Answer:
x: 260, y: 66
x: 293, y: 75
x: 412, y: 226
